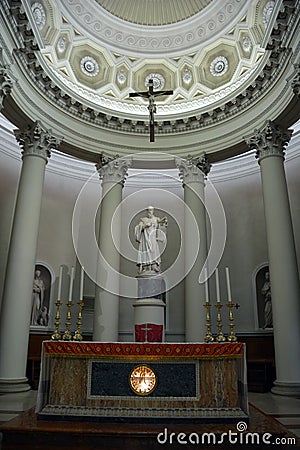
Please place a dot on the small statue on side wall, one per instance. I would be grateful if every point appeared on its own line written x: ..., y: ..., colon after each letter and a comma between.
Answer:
x: 266, y: 293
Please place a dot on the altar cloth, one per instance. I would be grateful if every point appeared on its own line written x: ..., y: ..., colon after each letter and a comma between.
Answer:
x: 164, y: 350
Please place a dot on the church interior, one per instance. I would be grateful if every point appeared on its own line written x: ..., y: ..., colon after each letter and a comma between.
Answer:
x: 150, y: 223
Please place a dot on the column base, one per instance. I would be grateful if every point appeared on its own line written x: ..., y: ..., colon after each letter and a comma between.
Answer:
x: 11, y: 385
x: 287, y: 389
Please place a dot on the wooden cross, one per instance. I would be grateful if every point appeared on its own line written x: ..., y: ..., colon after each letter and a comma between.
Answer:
x: 146, y: 328
x: 150, y: 94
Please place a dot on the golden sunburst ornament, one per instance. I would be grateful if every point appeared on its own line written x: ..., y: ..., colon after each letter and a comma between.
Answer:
x: 142, y: 380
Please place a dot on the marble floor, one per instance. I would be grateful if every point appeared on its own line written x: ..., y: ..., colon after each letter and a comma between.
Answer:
x: 285, y: 410
x: 11, y: 405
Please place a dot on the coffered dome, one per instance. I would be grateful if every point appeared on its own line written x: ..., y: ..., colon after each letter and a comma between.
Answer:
x: 84, y: 57
x: 208, y: 57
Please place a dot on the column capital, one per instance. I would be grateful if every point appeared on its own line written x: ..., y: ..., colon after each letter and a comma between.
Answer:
x: 193, y: 170
x: 270, y: 140
x: 201, y: 162
x: 296, y: 80
x: 35, y: 141
x: 6, y: 81
x: 112, y: 169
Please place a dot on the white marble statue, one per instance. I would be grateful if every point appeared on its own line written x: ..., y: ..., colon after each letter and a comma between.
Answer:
x: 148, y: 234
x: 37, y: 298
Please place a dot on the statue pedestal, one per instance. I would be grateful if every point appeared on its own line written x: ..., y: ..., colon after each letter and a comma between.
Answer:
x: 149, y: 309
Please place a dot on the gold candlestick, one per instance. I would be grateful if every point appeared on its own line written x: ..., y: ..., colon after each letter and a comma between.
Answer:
x: 67, y: 336
x: 77, y: 335
x: 208, y: 337
x: 231, y: 337
x: 220, y: 336
x: 56, y: 335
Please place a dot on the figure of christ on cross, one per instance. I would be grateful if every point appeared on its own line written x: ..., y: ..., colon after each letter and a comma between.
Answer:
x: 150, y: 94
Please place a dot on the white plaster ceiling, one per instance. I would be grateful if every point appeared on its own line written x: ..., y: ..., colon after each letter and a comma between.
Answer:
x: 153, y: 12
x: 100, y: 50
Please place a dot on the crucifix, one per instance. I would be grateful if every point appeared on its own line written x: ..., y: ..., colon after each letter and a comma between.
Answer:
x: 146, y: 328
x: 150, y: 94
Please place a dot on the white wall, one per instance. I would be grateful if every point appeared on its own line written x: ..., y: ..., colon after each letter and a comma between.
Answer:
x: 238, y: 184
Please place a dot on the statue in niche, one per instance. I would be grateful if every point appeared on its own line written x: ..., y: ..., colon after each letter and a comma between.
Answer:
x: 266, y: 293
x: 148, y: 234
x: 37, y: 299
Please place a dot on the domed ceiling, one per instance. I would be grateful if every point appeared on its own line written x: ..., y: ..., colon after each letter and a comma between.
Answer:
x: 86, y: 56
x: 204, y: 51
x: 153, y: 12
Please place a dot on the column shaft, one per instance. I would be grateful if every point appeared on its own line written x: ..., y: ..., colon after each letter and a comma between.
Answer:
x: 283, y: 270
x: 284, y: 277
x: 194, y: 292
x: 106, y: 314
x: 17, y: 294
x: 194, y: 186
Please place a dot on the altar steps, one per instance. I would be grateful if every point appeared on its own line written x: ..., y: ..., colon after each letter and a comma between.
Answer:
x: 27, y: 432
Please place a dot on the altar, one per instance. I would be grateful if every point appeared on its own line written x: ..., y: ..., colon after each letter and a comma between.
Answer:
x: 142, y: 381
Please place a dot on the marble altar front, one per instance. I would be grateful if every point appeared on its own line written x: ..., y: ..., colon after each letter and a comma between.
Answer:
x: 134, y: 381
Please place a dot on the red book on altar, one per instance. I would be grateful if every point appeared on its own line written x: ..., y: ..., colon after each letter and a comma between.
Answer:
x: 148, y: 332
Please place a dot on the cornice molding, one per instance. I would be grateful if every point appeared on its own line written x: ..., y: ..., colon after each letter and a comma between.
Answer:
x: 66, y: 166
x: 296, y: 81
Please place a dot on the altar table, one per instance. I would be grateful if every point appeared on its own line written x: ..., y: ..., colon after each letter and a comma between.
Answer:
x: 142, y: 381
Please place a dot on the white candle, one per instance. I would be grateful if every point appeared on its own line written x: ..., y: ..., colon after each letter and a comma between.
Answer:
x: 206, y: 286
x: 81, y: 284
x: 228, y: 284
x: 59, y: 282
x: 218, y: 286
x: 71, y: 283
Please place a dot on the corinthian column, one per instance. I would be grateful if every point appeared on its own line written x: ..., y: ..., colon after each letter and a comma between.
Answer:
x: 270, y: 143
x: 193, y: 172
x: 106, y: 314
x: 17, y: 294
